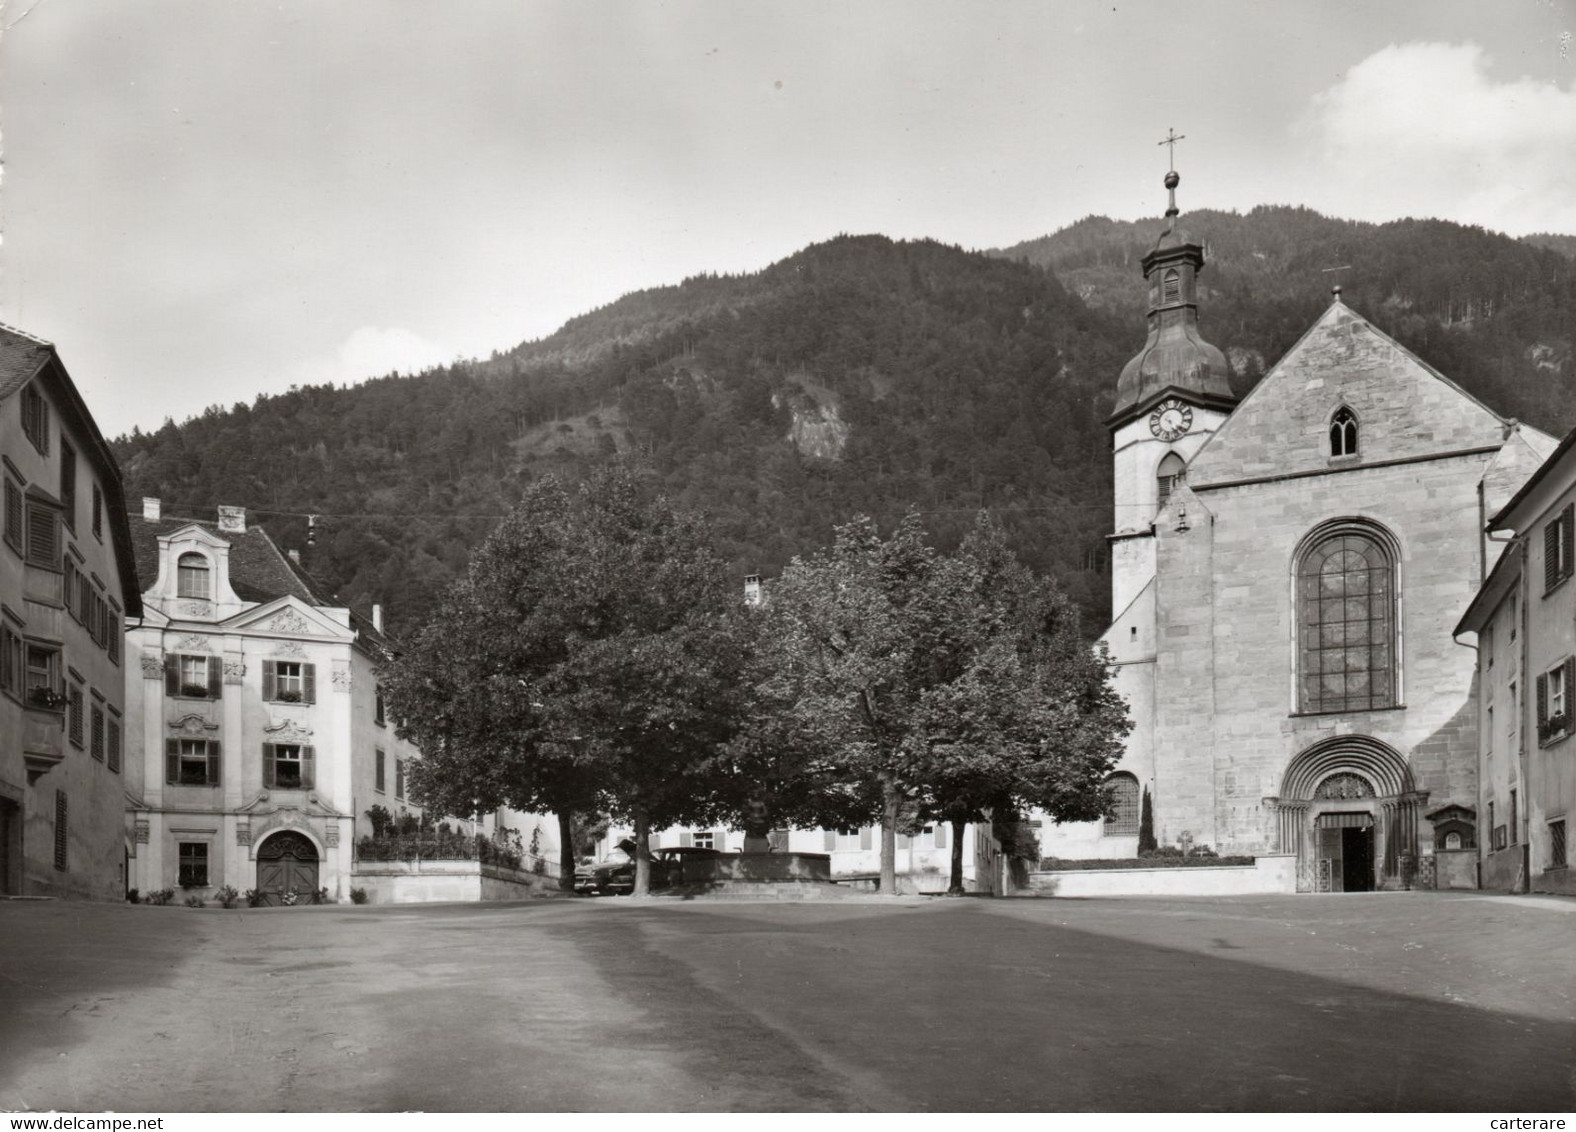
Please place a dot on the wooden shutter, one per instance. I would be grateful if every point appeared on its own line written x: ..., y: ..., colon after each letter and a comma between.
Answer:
x: 172, y: 674
x: 903, y: 841
x: 70, y: 587
x: 172, y: 760
x: 831, y: 840
x: 686, y: 840
x: 719, y: 840
x: 96, y: 749
x: 941, y: 835
x: 270, y: 683
x: 1543, y: 700
x: 215, y: 677
x: 309, y: 683
x: 655, y: 840
x: 308, y: 765
x: 43, y: 536
x: 213, y: 762
x: 114, y: 746
x: 1551, y: 555
x: 1567, y: 539
x: 1570, y: 673
x: 866, y: 837
x: 268, y: 764
x: 13, y: 515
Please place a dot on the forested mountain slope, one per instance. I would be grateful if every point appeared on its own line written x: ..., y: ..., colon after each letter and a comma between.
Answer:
x: 861, y: 374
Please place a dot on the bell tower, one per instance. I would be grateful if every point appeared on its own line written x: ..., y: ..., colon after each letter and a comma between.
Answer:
x: 1170, y: 399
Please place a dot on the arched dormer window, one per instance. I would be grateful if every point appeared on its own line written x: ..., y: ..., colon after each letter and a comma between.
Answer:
x: 1343, y: 432
x: 1167, y: 476
x: 1171, y: 286
x: 1122, y: 816
x: 1347, y: 640
x: 193, y: 577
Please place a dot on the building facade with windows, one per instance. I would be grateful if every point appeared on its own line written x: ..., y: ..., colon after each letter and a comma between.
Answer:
x: 66, y: 585
x: 1523, y: 624
x: 256, y: 744
x: 1283, y: 606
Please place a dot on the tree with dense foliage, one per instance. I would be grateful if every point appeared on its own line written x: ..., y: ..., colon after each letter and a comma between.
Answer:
x: 1146, y: 826
x: 586, y: 663
x: 944, y: 685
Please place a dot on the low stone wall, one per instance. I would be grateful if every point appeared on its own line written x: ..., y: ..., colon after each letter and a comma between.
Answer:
x: 1268, y: 874
x: 1454, y: 868
x: 419, y: 882
x: 757, y: 867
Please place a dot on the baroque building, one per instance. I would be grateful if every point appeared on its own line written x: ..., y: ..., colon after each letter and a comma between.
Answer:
x: 256, y: 737
x: 1287, y: 570
x: 66, y: 585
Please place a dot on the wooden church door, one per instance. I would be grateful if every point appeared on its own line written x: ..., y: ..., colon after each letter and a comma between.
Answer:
x: 287, y: 862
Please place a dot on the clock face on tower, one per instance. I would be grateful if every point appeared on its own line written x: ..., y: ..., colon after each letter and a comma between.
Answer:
x: 1171, y: 419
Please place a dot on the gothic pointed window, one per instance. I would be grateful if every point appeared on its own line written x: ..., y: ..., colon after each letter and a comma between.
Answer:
x: 1167, y: 476
x: 1346, y: 621
x: 1171, y: 286
x: 1343, y: 432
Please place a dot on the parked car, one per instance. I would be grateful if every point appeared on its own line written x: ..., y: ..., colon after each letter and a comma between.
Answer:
x: 618, y: 876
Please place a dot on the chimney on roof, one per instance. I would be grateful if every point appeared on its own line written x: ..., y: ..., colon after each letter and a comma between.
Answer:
x: 150, y: 508
x: 295, y: 556
x: 232, y: 519
x: 377, y: 617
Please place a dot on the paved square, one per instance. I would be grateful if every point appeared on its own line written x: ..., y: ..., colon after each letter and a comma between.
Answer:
x: 1394, y: 1001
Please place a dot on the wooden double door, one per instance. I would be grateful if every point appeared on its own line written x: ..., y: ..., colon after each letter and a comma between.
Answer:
x: 287, y: 862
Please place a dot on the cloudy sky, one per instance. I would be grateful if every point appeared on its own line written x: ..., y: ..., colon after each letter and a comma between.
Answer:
x: 206, y: 200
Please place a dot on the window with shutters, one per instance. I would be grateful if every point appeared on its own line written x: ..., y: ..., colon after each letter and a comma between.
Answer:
x: 117, y: 629
x: 1554, y: 695
x: 193, y: 676
x: 75, y: 711
x: 43, y: 534
x: 1347, y: 595
x: 1343, y: 432
x: 96, y: 737
x: 11, y: 667
x: 42, y: 675
x: 287, y: 766
x: 191, y: 762
x: 193, y: 576
x: 15, y: 517
x: 62, y: 831
x: 399, y: 778
x: 1168, y: 475
x: 68, y: 484
x: 377, y: 706
x: 379, y: 777
x: 1515, y: 836
x: 1121, y: 818
x: 112, y: 743
x: 193, y: 864
x: 1558, y: 548
x: 289, y: 682
x: 703, y: 840
x: 35, y: 418
x: 1557, y: 851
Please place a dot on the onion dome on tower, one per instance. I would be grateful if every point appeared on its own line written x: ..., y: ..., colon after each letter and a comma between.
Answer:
x: 1175, y: 360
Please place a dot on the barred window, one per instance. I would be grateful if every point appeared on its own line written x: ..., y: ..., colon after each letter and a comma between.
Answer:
x: 1122, y: 812
x: 1346, y: 599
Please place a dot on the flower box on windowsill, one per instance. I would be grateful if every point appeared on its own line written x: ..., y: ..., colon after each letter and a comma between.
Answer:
x: 1553, y: 729
x: 288, y: 697
x: 46, y: 698
x: 195, y: 691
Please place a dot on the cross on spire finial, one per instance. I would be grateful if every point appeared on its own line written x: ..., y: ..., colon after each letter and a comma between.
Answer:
x: 1171, y: 139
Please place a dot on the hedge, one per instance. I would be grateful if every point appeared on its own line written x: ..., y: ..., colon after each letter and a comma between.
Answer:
x: 1057, y: 865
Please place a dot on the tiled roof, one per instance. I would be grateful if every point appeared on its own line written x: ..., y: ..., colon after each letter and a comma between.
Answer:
x: 21, y: 356
x: 258, y: 571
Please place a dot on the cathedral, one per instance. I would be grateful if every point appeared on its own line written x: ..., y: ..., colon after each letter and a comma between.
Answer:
x: 1286, y: 573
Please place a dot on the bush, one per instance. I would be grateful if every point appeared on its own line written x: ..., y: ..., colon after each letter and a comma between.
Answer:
x: 195, y: 901
x: 133, y: 896
x: 322, y: 896
x: 253, y: 898
x: 1160, y: 860
x: 435, y: 845
x: 227, y: 896
x: 358, y: 896
x: 160, y: 896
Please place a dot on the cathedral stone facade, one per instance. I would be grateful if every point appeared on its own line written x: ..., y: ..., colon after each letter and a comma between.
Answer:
x: 1286, y: 575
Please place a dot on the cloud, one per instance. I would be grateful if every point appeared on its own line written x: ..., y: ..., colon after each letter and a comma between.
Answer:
x: 1421, y: 129
x: 372, y: 351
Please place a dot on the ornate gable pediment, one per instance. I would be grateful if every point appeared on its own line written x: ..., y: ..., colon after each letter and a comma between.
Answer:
x: 289, y: 617
x: 287, y: 731
x: 192, y: 724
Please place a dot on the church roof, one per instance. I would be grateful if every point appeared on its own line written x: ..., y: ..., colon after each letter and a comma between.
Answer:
x: 1405, y: 409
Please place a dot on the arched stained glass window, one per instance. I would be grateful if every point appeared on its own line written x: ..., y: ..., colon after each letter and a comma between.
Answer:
x: 1122, y: 816
x: 1343, y: 432
x: 1168, y: 475
x: 192, y: 576
x: 1346, y: 601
